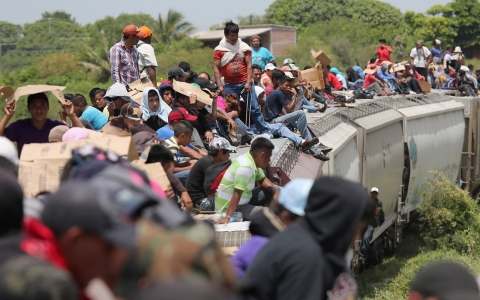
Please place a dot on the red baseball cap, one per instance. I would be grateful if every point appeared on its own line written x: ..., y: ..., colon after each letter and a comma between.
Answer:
x: 133, y: 30
x: 180, y: 113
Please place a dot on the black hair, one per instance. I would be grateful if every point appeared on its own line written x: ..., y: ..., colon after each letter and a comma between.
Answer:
x: 307, y: 67
x: 215, y: 152
x: 125, y: 37
x: 260, y: 144
x: 208, y: 75
x: 93, y: 92
x: 470, y: 66
x: 184, y: 66
x: 68, y: 96
x: 152, y: 93
x: 278, y: 209
x: 193, y: 76
x: 41, y: 96
x: 6, y: 166
x: 448, y: 47
x: 101, y: 91
x: 373, y: 59
x: 255, y: 66
x: 277, y: 74
x: 161, y: 154
x: 382, y: 41
x: 179, y: 96
x: 461, y: 72
x: 79, y: 99
x: 230, y: 27
x: 284, y: 79
x: 182, y: 127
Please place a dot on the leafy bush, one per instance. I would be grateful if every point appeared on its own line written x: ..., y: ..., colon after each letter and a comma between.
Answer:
x: 449, y: 217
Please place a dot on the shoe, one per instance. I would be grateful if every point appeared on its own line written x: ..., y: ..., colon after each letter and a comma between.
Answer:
x: 305, y: 146
x: 324, y: 149
x: 321, y: 156
x: 324, y: 108
x: 350, y: 100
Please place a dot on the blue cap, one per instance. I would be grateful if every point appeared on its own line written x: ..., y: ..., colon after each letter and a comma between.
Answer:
x: 294, y: 195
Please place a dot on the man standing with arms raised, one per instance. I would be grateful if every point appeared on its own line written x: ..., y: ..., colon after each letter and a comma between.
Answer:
x: 233, y: 60
x: 124, y: 56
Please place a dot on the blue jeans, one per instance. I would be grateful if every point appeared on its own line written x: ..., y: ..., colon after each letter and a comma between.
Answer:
x: 182, y: 176
x: 275, y: 129
x: 237, y: 88
x: 298, y: 119
x: 367, y: 238
x: 308, y: 106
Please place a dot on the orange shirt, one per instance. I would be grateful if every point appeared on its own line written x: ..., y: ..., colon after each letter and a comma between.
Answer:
x: 236, y: 70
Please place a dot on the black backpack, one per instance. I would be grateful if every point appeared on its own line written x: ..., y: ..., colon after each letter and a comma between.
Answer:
x: 363, y: 94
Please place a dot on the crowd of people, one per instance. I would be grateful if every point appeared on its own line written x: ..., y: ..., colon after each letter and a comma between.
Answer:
x: 109, y: 231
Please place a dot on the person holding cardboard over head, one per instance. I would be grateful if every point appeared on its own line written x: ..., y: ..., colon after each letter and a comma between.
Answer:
x: 147, y: 62
x: 36, y: 128
x: 124, y: 56
x: 233, y: 60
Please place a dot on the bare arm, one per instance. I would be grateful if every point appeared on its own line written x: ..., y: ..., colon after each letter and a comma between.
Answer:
x: 192, y: 153
x: 290, y: 106
x: 232, y: 206
x: 69, y: 110
x: 248, y: 84
x: 6, y: 118
x: 152, y: 74
x: 268, y: 185
x: 216, y: 70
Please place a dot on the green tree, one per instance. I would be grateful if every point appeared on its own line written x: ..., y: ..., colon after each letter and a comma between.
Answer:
x: 428, y: 28
x: 252, y: 19
x: 171, y: 28
x: 461, y: 18
x: 58, y: 15
x: 10, y: 33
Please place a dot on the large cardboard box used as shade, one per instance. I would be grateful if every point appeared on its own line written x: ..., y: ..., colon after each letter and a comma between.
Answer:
x: 426, y: 87
x: 188, y: 89
x: 9, y: 94
x: 41, y: 165
x: 321, y: 57
x: 135, y: 89
x: 315, y: 77
x: 154, y: 171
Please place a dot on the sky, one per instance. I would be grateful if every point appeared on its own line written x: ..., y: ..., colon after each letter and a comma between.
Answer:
x: 201, y: 13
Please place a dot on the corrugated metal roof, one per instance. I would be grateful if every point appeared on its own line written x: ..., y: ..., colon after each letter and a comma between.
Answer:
x: 218, y: 34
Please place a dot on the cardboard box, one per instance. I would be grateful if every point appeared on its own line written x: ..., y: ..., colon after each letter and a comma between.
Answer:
x: 187, y: 89
x: 154, y: 171
x: 371, y: 71
x: 426, y: 87
x: 315, y: 77
x: 135, y: 89
x: 41, y: 165
x: 9, y: 94
x: 321, y: 57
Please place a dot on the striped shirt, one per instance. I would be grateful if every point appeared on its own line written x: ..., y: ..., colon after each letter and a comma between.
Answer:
x: 173, y: 146
x: 242, y: 175
x: 124, y: 63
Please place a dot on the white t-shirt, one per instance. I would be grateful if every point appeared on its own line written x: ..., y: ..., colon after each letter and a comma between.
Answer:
x: 146, y: 58
x: 448, y: 57
x: 419, y: 56
x: 342, y: 81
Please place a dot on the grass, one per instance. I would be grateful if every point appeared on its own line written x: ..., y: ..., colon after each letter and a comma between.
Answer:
x: 391, y: 279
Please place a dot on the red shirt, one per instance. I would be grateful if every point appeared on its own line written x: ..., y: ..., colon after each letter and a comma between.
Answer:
x: 383, y: 54
x: 236, y: 70
x: 369, y: 79
x: 334, y: 83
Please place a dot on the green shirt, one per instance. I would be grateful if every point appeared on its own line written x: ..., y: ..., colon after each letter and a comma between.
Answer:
x: 242, y: 175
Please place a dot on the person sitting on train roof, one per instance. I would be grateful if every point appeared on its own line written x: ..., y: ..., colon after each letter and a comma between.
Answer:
x: 372, y: 82
x: 88, y: 113
x: 36, y: 128
x: 154, y: 110
x: 407, y: 82
x: 465, y: 85
x: 237, y: 191
x: 386, y: 77
x: 307, y: 260
x: 331, y: 79
x: 372, y: 224
x: 285, y: 211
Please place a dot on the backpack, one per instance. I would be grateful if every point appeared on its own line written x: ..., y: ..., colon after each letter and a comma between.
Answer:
x: 363, y: 94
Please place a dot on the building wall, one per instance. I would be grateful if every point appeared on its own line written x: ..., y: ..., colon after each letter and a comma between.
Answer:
x: 282, y: 38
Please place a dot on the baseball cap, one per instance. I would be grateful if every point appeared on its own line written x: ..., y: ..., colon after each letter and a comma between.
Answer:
x: 131, y: 112
x: 80, y: 204
x: 146, y: 31
x: 221, y: 143
x: 8, y: 150
x: 447, y: 281
x: 133, y: 30
x: 289, y: 74
x: 288, y: 61
x: 177, y: 71
x: 286, y: 68
x: 294, y: 67
x: 117, y: 90
x: 270, y: 67
x: 180, y: 113
x: 205, y: 84
x: 374, y: 189
x: 294, y: 195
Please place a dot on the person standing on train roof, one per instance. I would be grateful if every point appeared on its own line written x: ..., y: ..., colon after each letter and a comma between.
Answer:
x: 260, y: 55
x: 383, y: 51
x: 372, y: 224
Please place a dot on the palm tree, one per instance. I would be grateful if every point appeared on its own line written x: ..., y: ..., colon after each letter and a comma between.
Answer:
x: 172, y: 28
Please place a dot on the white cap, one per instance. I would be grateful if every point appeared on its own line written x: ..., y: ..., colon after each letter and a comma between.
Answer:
x: 8, y: 150
x: 295, y: 194
x: 288, y: 61
x: 117, y: 90
x: 374, y: 189
x: 289, y: 74
x: 270, y: 67
x: 437, y: 42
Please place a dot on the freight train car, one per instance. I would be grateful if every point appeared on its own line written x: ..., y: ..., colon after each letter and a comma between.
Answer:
x: 369, y: 143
